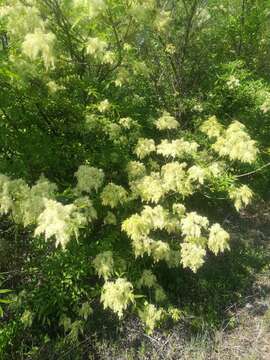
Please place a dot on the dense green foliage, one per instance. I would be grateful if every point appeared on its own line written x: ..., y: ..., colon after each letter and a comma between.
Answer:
x: 129, y: 130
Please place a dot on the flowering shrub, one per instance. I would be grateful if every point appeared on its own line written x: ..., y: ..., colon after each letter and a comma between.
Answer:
x: 136, y: 142
x: 186, y: 236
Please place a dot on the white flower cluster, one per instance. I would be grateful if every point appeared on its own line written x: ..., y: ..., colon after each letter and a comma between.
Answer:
x: 156, y: 216
x: 192, y: 256
x: 160, y: 250
x: 126, y: 122
x: 144, y: 147
x: 177, y: 148
x: 215, y: 169
x: 24, y: 203
x: 150, y: 316
x: 103, y: 264
x: 234, y: 142
x: 218, y: 239
x: 197, y: 174
x: 61, y: 221
x: 36, y: 205
x: 55, y: 221
x: 192, y: 225
x: 38, y: 44
x: 178, y: 209
x: 96, y: 47
x: 233, y: 82
x: 138, y: 228
x: 193, y: 250
x: 212, y: 128
x: 149, y: 188
x: 109, y: 57
x: 170, y: 49
x: 33, y: 205
x: 21, y: 19
x: 12, y: 192
x: 135, y: 169
x: 166, y: 122
x: 113, y: 195
x: 198, y: 107
x: 241, y: 196
x: 89, y: 178
x: 104, y: 106
x: 265, y: 107
x: 117, y: 295
x: 175, y: 178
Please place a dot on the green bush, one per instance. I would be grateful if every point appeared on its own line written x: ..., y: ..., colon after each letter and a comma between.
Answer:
x: 127, y: 130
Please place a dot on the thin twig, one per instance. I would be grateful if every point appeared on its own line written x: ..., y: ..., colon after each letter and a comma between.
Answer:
x: 253, y: 172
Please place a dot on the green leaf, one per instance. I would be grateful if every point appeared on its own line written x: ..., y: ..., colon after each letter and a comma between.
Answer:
x: 4, y: 291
